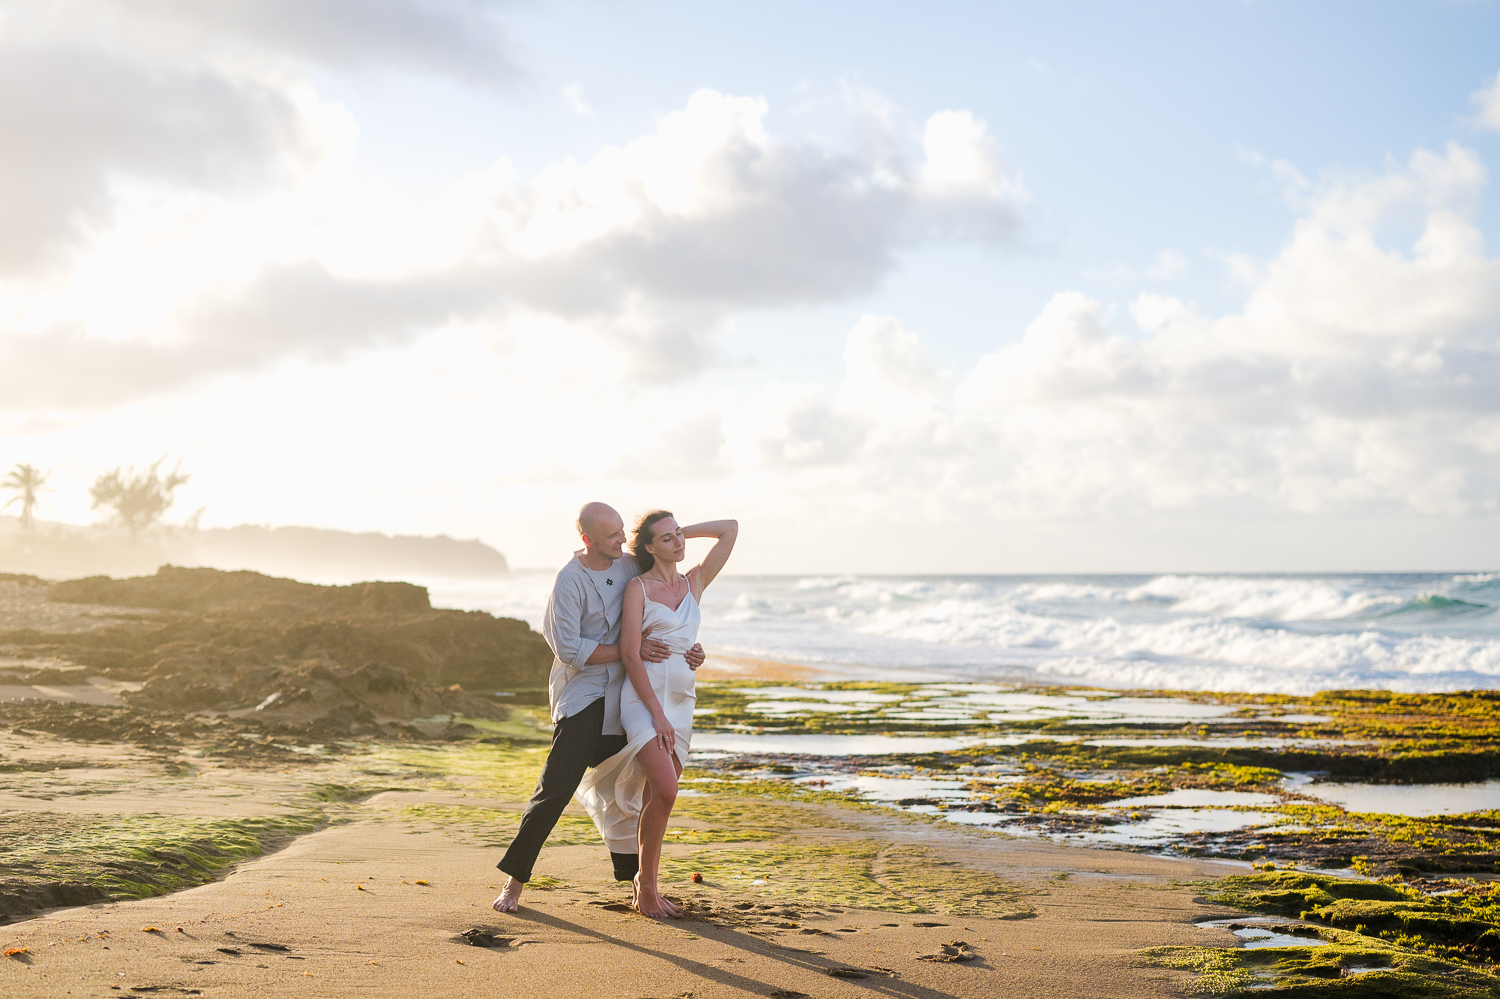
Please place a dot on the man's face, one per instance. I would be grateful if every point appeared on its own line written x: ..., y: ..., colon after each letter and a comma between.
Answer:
x: 606, y: 536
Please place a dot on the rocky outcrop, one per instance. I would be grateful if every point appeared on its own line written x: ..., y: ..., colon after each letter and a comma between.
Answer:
x: 295, y: 652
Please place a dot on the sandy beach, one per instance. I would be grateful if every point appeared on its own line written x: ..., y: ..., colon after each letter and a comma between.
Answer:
x: 378, y: 907
x: 239, y: 795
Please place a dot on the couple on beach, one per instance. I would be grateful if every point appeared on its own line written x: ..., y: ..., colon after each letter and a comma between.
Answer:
x: 624, y: 634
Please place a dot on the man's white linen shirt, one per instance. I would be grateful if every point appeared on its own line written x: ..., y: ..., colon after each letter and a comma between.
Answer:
x: 583, y: 613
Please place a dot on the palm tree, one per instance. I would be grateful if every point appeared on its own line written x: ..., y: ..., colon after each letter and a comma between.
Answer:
x: 27, y: 481
x: 138, y: 499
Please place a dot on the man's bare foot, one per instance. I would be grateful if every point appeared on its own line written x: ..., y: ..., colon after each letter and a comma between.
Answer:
x: 510, y: 896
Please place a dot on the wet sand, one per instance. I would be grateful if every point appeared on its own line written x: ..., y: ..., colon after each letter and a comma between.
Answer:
x: 375, y: 903
x: 341, y: 912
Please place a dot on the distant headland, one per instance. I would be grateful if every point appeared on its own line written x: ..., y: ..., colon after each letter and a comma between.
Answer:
x: 61, y: 551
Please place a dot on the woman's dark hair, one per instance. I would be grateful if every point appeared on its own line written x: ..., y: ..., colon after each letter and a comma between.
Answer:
x: 642, y: 537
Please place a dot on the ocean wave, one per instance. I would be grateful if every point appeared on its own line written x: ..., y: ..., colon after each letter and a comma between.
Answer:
x: 1431, y: 603
x: 1292, y: 634
x: 1283, y: 599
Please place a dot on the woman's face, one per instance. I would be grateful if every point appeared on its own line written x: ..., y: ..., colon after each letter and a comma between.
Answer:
x: 667, y: 542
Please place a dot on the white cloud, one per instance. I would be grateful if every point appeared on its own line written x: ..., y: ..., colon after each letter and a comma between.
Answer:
x: 1168, y: 264
x: 459, y: 38
x: 712, y: 208
x: 208, y: 97
x: 650, y: 246
x: 681, y: 447
x: 1358, y: 378
x: 1359, y: 381
x: 574, y: 101
x: 74, y: 122
x: 653, y: 242
x: 880, y: 356
x: 1487, y: 100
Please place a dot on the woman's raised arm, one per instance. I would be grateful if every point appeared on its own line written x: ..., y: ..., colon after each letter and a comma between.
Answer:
x: 726, y: 531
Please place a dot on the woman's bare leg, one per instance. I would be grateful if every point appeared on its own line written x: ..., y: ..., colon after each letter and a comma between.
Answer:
x: 662, y: 770
x: 635, y: 887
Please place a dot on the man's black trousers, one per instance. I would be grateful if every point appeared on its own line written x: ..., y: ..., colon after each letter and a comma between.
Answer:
x: 577, y: 744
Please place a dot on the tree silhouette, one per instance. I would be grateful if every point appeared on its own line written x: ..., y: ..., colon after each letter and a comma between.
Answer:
x: 27, y: 481
x: 138, y: 499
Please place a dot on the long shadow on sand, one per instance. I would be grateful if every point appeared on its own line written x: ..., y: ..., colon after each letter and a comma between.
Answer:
x: 745, y: 942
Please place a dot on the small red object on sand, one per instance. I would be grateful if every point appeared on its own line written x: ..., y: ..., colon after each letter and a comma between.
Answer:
x: 697, y: 878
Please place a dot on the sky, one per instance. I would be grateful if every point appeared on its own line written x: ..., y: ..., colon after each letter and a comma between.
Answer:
x: 957, y: 287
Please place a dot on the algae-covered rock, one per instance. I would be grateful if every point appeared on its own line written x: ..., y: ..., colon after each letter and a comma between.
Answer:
x: 186, y: 589
x: 1290, y: 893
x: 238, y: 641
x: 1459, y: 920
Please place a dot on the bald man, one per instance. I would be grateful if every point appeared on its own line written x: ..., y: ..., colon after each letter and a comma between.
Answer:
x: 582, y: 625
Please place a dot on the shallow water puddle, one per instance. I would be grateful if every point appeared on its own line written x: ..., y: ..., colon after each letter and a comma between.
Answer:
x: 1158, y: 829
x: 964, y: 702
x: 1198, y: 798
x: 889, y: 789
x: 1255, y: 937
x: 814, y: 693
x: 824, y: 745
x: 1415, y: 800
x: 1174, y: 823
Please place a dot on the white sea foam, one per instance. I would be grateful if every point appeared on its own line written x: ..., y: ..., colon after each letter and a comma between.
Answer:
x: 1291, y: 634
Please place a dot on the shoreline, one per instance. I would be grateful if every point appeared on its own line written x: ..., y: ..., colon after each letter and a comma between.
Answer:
x: 347, y: 902
x: 992, y: 807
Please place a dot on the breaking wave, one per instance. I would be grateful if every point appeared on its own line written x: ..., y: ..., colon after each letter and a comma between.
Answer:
x: 1291, y: 634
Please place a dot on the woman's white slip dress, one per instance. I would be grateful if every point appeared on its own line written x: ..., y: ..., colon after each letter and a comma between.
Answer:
x: 612, y: 793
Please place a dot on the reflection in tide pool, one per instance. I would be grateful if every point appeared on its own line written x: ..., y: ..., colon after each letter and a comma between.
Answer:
x: 990, y: 703
x: 823, y: 745
x: 1162, y: 827
x: 1260, y: 936
x: 1414, y: 800
x: 1171, y: 824
x: 889, y: 789
x: 1188, y: 797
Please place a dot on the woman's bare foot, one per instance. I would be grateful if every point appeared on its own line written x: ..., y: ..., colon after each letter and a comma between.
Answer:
x: 649, y: 902
x: 674, y: 910
x: 510, y: 896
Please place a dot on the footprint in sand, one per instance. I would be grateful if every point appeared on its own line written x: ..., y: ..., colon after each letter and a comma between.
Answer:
x: 479, y: 937
x: 952, y: 952
x: 861, y: 972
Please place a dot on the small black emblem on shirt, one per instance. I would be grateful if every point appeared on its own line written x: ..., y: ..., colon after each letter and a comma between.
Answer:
x: 609, y: 582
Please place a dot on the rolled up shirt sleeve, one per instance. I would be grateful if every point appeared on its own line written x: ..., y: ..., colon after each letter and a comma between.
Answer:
x: 562, y: 625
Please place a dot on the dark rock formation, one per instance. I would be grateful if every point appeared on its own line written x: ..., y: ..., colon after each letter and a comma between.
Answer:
x: 297, y: 652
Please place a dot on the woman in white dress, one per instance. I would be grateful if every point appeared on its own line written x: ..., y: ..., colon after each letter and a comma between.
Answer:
x: 630, y: 795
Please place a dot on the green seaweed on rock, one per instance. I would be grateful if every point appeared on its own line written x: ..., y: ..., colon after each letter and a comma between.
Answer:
x: 1454, y: 920
x: 52, y: 859
x: 1336, y: 970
